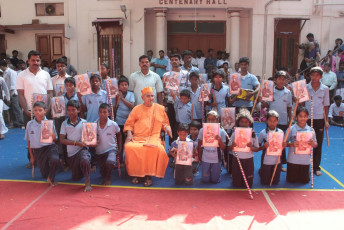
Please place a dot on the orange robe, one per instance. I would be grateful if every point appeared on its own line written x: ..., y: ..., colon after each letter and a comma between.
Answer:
x: 145, y: 155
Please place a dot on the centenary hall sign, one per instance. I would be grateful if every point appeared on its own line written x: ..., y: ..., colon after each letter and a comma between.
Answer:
x: 193, y: 2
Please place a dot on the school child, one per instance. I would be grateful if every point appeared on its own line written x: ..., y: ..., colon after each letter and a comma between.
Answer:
x: 104, y: 74
x: 183, y: 107
x: 45, y: 154
x: 195, y: 126
x: 70, y: 135
x: 109, y: 136
x: 268, y: 162
x: 336, y: 112
x: 282, y: 104
x: 91, y: 102
x: 182, y: 173
x: 321, y: 103
x: 298, y: 164
x: 126, y: 103
x: 211, y: 156
x: 220, y: 91
x: 244, y: 120
x: 194, y: 95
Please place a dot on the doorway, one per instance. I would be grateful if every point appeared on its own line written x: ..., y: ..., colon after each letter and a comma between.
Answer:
x: 287, y: 34
x: 196, y: 35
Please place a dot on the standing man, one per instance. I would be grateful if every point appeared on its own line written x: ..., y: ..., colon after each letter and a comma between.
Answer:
x: 61, y: 66
x: 32, y: 80
x: 210, y: 61
x: 161, y: 64
x: 14, y: 59
x: 145, y: 78
x: 321, y: 103
x: 248, y: 81
x: 151, y: 60
x: 10, y: 77
x: 329, y: 79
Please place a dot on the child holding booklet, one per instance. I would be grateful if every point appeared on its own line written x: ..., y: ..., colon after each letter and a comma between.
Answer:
x: 244, y: 120
x: 78, y: 155
x: 298, y: 164
x: 106, y: 149
x: 268, y: 162
x: 182, y: 173
x: 45, y: 154
x: 211, y: 156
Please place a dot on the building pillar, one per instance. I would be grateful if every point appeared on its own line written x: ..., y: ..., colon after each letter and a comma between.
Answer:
x: 234, y: 37
x: 161, y: 29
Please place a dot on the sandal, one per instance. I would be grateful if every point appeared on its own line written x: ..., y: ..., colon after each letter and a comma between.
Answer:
x: 148, y: 182
x: 135, y: 180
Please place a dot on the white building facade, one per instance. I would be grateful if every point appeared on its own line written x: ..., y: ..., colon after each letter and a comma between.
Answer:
x: 268, y: 32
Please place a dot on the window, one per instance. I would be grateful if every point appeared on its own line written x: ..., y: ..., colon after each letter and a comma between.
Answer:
x: 191, y: 27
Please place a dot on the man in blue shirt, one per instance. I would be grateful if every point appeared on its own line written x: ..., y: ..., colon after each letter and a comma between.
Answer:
x: 161, y: 64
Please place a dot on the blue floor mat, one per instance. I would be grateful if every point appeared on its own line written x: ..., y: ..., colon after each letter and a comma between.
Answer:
x: 13, y: 159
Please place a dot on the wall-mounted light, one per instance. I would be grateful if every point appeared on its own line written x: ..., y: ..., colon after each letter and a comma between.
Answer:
x: 124, y: 10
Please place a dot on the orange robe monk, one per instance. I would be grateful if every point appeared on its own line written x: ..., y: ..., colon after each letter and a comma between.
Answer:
x: 145, y: 154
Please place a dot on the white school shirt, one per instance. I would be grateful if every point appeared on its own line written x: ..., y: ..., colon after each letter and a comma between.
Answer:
x: 30, y: 83
x: 281, y: 101
x: 73, y: 133
x: 10, y: 77
x: 320, y: 99
x: 58, y: 80
x: 107, y: 137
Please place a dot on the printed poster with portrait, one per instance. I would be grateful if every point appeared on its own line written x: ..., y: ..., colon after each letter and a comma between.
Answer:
x: 184, y: 153
x: 173, y: 81
x: 275, y: 140
x: 228, y: 117
x: 83, y: 85
x: 113, y: 87
x: 203, y: 77
x: 89, y: 133
x: 205, y: 92
x: 242, y: 138
x: 303, y: 138
x: 40, y: 97
x: 47, y: 130
x: 58, y: 107
x: 267, y: 91
x: 210, y: 131
x: 300, y: 90
x: 60, y: 90
x: 234, y: 83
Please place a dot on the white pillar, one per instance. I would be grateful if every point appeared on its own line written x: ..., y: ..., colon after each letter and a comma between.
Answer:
x: 235, y: 37
x: 161, y: 30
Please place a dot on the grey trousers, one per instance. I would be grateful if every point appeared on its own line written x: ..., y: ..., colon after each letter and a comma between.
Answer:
x: 47, y: 159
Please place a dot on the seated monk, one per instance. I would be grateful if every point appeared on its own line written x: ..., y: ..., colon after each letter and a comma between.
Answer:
x: 145, y: 155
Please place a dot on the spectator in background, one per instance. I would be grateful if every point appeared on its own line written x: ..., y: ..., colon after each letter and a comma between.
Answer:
x: 329, y: 79
x: 224, y: 59
x: 14, y: 59
x: 9, y: 64
x: 340, y: 79
x: 186, y: 56
x: 199, y: 61
x: 210, y: 61
x: 339, y: 44
x: 151, y: 60
x: 53, y: 71
x: 21, y: 66
x: 70, y: 69
x: 3, y: 56
x: 161, y: 64
x: 331, y: 59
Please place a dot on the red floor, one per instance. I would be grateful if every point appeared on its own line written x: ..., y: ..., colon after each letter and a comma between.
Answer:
x: 66, y: 207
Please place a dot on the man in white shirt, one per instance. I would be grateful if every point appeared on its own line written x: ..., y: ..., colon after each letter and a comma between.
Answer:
x: 10, y: 77
x: 30, y: 81
x: 199, y: 61
x: 329, y: 79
